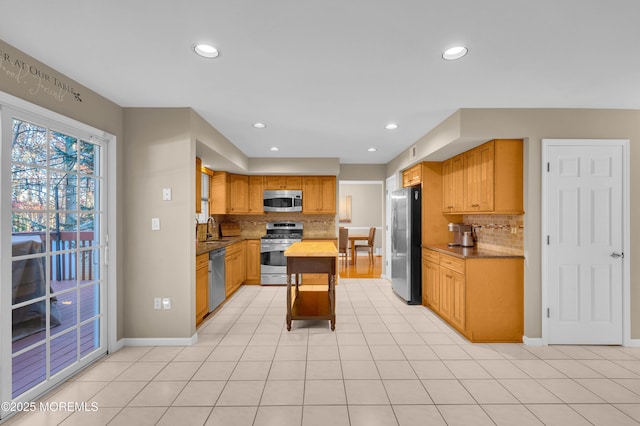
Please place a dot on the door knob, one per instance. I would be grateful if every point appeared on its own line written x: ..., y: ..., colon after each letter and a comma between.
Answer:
x: 617, y: 255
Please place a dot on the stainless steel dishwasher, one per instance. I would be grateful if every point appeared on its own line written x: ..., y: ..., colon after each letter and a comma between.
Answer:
x: 216, y: 278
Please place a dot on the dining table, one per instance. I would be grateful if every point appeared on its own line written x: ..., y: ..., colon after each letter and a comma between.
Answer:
x: 352, y: 243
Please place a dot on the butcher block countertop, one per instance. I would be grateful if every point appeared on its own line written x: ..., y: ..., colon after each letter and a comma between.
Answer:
x: 312, y: 249
x: 471, y: 252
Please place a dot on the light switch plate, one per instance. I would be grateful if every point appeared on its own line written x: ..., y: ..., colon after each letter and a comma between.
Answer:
x: 166, y: 194
x: 157, y: 303
x: 166, y: 303
x: 155, y: 223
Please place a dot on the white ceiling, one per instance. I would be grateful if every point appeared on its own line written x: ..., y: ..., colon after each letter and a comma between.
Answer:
x: 326, y: 76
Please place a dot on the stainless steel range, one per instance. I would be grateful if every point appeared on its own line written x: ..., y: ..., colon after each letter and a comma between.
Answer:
x: 273, y: 264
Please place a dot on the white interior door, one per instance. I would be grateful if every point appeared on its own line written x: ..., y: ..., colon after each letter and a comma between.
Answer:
x: 584, y: 247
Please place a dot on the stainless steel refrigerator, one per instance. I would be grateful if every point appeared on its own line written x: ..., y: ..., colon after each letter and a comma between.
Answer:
x: 406, y: 237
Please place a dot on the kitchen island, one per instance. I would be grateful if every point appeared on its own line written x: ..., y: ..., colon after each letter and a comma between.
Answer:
x: 311, y: 257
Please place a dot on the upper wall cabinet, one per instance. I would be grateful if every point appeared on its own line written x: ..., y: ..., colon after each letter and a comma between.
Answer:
x: 256, y: 195
x: 319, y: 194
x: 486, y: 179
x: 282, y: 182
x: 229, y: 193
x: 452, y: 184
x: 412, y: 176
x: 198, y: 185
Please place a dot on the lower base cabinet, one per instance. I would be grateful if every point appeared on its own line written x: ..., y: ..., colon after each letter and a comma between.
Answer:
x: 253, y: 262
x: 202, y: 287
x: 234, y: 267
x: 482, y: 298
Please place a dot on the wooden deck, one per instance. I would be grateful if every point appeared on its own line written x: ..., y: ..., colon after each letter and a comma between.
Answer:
x: 29, y: 368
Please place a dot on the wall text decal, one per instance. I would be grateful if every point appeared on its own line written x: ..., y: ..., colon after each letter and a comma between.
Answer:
x: 37, y: 80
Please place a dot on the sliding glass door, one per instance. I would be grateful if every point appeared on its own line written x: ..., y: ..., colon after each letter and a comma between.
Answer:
x: 58, y: 240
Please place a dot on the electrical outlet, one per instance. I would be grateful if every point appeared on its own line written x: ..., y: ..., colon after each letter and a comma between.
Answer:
x: 157, y: 303
x: 166, y: 303
x: 155, y: 223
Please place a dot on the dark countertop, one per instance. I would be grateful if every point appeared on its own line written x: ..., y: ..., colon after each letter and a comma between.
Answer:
x: 471, y: 252
x: 203, y: 247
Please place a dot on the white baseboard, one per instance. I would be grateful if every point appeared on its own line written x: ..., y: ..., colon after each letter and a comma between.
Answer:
x: 117, y: 345
x: 532, y: 341
x: 162, y: 341
x: 632, y: 343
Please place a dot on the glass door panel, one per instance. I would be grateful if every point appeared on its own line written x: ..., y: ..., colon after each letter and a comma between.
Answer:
x: 57, y: 241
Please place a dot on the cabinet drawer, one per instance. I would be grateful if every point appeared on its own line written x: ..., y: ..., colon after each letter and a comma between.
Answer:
x: 233, y: 249
x: 431, y: 256
x: 202, y: 261
x: 452, y: 263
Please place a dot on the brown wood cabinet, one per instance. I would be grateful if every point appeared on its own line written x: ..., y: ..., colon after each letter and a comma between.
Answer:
x: 202, y: 287
x: 238, y: 195
x: 412, y: 176
x: 482, y: 298
x: 452, y: 295
x: 256, y: 195
x: 485, y: 179
x: 319, y: 194
x: 229, y: 193
x: 479, y: 178
x: 282, y: 182
x: 431, y: 279
x: 253, y: 262
x: 234, y: 267
x: 198, y: 185
x: 453, y: 184
x: 434, y: 223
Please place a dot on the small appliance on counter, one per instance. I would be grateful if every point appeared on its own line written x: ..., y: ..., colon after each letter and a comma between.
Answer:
x: 467, y: 239
x: 458, y: 230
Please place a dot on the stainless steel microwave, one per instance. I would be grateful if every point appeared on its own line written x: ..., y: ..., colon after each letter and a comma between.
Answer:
x: 283, y: 201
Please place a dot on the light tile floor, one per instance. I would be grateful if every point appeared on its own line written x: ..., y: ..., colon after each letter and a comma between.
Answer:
x: 387, y: 363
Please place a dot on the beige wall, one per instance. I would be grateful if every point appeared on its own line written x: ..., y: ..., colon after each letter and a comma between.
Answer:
x: 472, y: 126
x: 159, y: 153
x: 26, y: 78
x: 361, y: 172
x: 367, y: 201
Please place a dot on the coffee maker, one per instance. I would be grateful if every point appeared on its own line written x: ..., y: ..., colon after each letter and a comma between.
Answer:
x: 458, y: 230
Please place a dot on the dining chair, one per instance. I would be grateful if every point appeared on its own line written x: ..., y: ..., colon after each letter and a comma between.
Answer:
x: 368, y: 246
x: 343, y: 242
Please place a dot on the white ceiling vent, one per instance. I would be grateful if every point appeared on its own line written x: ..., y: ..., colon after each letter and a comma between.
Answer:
x: 413, y: 151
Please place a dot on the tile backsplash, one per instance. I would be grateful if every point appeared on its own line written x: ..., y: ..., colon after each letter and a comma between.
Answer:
x: 254, y: 226
x: 504, y: 233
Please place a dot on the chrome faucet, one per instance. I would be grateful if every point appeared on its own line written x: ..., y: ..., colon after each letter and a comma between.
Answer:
x: 212, y: 222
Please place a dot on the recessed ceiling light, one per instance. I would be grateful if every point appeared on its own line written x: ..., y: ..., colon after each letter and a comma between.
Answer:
x: 206, y: 50
x: 372, y: 149
x: 391, y: 126
x: 208, y: 166
x: 259, y: 125
x: 454, y: 53
x: 274, y: 148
